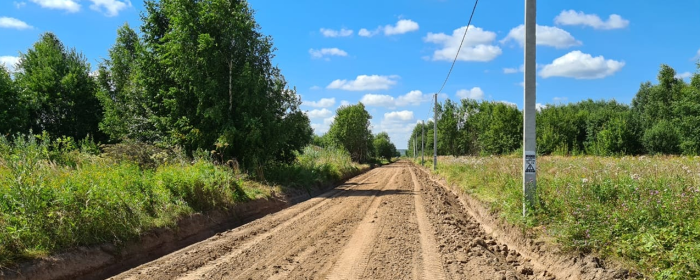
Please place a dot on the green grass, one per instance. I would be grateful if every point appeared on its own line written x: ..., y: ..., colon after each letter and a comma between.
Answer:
x: 639, y: 210
x: 56, y: 196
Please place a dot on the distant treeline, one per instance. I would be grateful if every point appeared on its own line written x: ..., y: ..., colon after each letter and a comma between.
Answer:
x: 663, y: 118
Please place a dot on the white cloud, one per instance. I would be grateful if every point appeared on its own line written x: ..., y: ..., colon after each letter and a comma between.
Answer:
x: 336, y: 33
x: 365, y: 82
x: 8, y: 22
x: 510, y: 70
x: 402, y: 26
x: 323, y: 103
x: 477, y: 45
x: 319, y: 113
x: 414, y: 97
x: 327, y: 52
x: 68, y: 5
x: 109, y: 7
x: 321, y: 128
x: 572, y: 17
x: 19, y: 5
x: 580, y: 65
x: 366, y: 33
x: 560, y: 99
x: 315, y: 88
x: 540, y: 106
x: 378, y: 100
x: 10, y: 62
x: 475, y: 93
x: 546, y: 36
x: 344, y: 103
x: 684, y: 75
x: 403, y: 116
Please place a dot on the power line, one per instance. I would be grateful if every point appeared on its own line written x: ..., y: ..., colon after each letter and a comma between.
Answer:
x: 460, y: 47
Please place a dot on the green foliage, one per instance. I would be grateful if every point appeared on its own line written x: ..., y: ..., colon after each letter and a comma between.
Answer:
x: 350, y: 130
x: 662, y: 138
x: 208, y: 73
x: 662, y: 119
x: 13, y: 112
x: 127, y: 114
x: 637, y: 209
x: 315, y: 167
x: 57, y: 194
x: 59, y: 93
x: 383, y: 146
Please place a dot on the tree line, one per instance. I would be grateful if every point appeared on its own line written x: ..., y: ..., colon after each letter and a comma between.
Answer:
x: 199, y: 76
x: 351, y: 130
x: 663, y: 118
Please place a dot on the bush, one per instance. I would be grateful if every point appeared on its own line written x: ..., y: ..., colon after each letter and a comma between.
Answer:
x: 662, y: 138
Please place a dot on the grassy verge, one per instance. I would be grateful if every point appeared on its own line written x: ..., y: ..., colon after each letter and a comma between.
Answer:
x: 56, y: 196
x: 640, y: 210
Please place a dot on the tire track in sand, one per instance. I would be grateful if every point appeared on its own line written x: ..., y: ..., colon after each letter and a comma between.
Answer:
x: 355, y: 254
x: 431, y: 258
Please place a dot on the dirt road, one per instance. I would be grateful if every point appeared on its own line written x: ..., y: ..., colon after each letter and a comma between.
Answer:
x: 390, y: 223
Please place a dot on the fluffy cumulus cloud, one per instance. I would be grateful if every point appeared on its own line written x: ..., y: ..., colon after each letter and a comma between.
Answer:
x: 326, y: 52
x: 572, y: 17
x: 540, y: 106
x: 367, y: 33
x: 399, y: 125
x: 401, y: 116
x: 546, y: 36
x: 8, y: 22
x: 415, y: 97
x: 109, y: 7
x: 344, y: 103
x: 20, y: 4
x: 70, y: 6
x: 378, y: 100
x: 401, y: 27
x: 365, y: 82
x: 478, y: 45
x: 323, y: 103
x: 9, y: 62
x: 319, y: 113
x: 580, y: 65
x: 475, y: 93
x: 336, y: 33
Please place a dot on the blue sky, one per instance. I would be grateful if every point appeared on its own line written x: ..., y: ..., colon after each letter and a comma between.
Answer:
x: 393, y: 55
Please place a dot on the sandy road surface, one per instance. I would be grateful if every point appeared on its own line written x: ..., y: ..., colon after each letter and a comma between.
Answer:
x: 390, y: 223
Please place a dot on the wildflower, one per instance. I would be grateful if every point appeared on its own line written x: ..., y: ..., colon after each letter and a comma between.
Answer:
x: 584, y: 180
x: 636, y: 177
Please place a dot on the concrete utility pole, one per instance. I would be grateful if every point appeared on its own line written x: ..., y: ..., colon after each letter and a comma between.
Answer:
x: 422, y: 143
x: 529, y: 137
x: 435, y: 136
